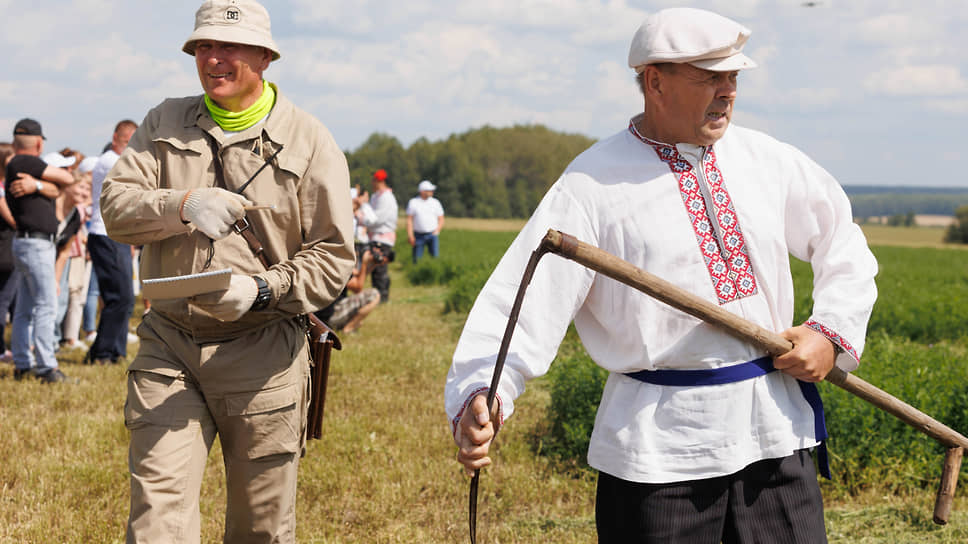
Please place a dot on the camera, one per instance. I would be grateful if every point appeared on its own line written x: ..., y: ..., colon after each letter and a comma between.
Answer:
x: 382, y: 253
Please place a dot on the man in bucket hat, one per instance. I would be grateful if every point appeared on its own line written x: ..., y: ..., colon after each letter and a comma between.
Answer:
x: 231, y: 363
x: 699, y: 437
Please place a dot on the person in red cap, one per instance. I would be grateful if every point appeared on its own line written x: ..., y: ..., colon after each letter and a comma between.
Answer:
x: 699, y: 437
x: 378, y: 213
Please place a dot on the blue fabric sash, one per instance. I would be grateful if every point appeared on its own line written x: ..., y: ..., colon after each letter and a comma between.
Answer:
x: 738, y: 373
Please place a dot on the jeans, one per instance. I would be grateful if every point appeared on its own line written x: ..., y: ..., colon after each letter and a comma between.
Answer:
x: 33, y: 318
x: 422, y: 239
x: 89, y: 321
x: 62, y: 298
x: 112, y: 261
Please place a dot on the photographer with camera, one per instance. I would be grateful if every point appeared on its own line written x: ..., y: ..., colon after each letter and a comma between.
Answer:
x: 378, y: 213
x: 347, y: 312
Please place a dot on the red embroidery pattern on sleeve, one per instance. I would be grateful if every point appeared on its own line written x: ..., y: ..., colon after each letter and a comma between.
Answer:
x: 834, y: 337
x: 728, y: 263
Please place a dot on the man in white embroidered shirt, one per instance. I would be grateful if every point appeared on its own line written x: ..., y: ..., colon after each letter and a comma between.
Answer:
x: 717, y: 210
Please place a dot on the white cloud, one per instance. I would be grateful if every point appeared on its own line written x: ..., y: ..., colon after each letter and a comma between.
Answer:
x: 894, y: 29
x: 812, y: 99
x: 734, y: 8
x: 958, y: 106
x: 432, y: 68
x: 928, y: 81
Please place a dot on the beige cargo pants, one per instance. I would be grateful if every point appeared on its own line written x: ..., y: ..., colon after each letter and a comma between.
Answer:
x: 251, y: 393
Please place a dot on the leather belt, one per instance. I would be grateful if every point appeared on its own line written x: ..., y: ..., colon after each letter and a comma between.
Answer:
x: 35, y: 234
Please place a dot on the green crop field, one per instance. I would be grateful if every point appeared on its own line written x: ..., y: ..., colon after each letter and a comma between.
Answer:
x: 385, y: 470
x: 917, y: 349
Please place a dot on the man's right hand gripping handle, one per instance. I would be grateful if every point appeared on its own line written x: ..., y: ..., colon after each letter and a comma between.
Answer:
x: 474, y: 434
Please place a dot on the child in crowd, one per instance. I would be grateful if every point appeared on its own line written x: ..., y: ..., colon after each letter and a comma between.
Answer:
x: 76, y: 275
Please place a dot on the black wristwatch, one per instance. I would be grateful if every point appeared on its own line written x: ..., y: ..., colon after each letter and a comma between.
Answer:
x: 263, y: 297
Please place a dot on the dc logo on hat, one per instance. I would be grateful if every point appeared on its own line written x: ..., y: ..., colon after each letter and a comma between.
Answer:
x: 233, y: 15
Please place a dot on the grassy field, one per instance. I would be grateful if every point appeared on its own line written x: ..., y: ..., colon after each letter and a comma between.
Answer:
x: 384, y: 471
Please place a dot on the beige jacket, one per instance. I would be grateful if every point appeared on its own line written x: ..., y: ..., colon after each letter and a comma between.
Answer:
x: 309, y: 233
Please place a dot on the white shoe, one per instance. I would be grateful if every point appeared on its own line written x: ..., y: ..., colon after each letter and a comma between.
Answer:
x: 90, y: 337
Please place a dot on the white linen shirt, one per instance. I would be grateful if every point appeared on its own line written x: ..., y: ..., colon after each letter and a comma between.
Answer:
x: 620, y: 197
x: 425, y: 213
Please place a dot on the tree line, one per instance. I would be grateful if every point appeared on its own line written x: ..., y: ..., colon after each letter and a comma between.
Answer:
x: 957, y: 232
x: 900, y: 203
x: 486, y: 172
x: 493, y: 172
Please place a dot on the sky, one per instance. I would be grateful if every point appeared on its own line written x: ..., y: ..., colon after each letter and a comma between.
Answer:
x: 876, y: 91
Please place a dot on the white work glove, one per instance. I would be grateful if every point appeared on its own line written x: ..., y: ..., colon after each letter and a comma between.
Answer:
x: 213, y: 210
x: 232, y: 303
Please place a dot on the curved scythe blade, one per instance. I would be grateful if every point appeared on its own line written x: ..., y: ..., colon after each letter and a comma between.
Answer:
x: 498, y: 369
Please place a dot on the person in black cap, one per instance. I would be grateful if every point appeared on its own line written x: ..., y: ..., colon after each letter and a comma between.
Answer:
x: 32, y: 186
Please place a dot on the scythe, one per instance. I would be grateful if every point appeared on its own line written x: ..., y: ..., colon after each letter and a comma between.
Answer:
x: 611, y: 266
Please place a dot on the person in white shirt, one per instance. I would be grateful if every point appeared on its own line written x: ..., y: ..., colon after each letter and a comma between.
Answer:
x: 716, y: 209
x: 425, y: 219
x: 111, y: 261
x: 378, y: 212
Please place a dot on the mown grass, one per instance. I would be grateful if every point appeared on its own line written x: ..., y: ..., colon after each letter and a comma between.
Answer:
x: 385, y: 470
x: 878, y: 235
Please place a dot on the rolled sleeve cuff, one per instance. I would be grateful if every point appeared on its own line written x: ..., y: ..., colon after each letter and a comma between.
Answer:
x: 172, y: 216
x: 500, y: 409
x: 279, y: 283
x: 847, y: 357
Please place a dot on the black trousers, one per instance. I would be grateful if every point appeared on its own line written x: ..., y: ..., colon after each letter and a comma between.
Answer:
x: 770, y: 501
x: 112, y: 263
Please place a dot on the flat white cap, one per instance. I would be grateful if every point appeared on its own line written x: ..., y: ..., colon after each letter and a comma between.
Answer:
x: 426, y: 186
x: 687, y: 35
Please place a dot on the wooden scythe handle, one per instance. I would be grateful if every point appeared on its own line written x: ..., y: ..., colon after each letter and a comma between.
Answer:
x: 605, y: 263
x: 949, y: 480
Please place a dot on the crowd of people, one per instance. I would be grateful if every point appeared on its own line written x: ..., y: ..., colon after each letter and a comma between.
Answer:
x: 84, y: 296
x: 49, y: 282
x: 375, y: 218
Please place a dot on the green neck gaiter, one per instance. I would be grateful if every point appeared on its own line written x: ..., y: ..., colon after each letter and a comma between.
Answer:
x: 233, y: 121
